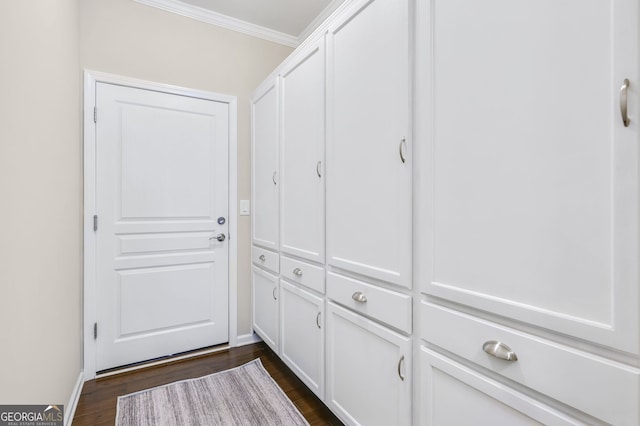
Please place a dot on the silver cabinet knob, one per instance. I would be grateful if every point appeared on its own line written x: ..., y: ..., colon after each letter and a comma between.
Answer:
x: 499, y: 350
x: 262, y: 258
x: 297, y: 272
x: 358, y: 296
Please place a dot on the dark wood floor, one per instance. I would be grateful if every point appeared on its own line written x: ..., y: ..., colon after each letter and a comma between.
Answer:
x: 97, y: 405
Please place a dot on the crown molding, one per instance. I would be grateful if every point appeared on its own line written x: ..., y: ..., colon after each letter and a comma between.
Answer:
x: 322, y: 17
x: 210, y: 17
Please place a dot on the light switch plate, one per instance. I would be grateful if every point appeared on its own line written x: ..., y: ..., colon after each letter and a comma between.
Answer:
x: 245, y: 208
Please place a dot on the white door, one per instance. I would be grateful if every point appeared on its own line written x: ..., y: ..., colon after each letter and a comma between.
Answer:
x: 302, y: 156
x: 530, y: 200
x: 369, y: 142
x: 302, y: 335
x: 265, y: 306
x: 162, y: 172
x: 368, y: 370
x: 264, y: 158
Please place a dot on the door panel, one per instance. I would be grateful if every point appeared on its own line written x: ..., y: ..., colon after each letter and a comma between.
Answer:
x: 532, y: 176
x: 302, y: 335
x: 368, y: 370
x: 302, y: 157
x: 265, y: 310
x: 162, y: 181
x: 369, y: 186
x: 265, y: 161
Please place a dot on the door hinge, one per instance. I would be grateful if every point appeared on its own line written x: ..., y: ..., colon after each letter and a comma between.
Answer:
x: 95, y: 114
x: 95, y: 222
x: 95, y: 330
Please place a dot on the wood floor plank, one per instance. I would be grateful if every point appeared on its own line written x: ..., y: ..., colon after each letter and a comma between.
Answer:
x: 97, y: 404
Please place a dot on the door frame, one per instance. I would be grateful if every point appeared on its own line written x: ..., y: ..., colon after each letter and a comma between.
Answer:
x: 91, y: 78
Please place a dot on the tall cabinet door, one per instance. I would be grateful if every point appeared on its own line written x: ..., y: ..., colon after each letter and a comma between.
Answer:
x: 369, y: 142
x: 265, y: 170
x: 302, y: 156
x: 530, y: 202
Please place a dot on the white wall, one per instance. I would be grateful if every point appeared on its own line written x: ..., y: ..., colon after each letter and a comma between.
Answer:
x: 40, y: 201
x: 130, y: 39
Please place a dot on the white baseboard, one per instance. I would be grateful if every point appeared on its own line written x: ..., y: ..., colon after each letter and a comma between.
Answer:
x: 70, y: 408
x: 248, y: 339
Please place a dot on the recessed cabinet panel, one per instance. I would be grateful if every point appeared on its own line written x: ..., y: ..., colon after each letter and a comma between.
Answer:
x: 302, y: 335
x: 302, y: 156
x: 532, y: 176
x: 368, y: 371
x: 265, y: 296
x: 265, y: 176
x: 369, y: 142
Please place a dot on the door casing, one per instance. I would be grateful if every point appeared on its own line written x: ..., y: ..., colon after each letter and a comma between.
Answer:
x: 91, y: 78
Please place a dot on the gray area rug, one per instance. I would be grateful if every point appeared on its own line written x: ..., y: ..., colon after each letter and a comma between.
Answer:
x: 245, y: 395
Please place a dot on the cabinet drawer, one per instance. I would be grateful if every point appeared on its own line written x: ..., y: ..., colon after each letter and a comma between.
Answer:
x: 303, y: 273
x: 265, y: 258
x: 387, y: 306
x: 602, y: 388
x: 444, y: 383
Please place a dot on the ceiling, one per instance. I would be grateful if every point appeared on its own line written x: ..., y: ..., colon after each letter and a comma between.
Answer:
x: 283, y: 21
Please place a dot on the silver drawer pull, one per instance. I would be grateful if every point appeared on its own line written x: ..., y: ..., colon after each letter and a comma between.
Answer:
x: 273, y: 178
x: 499, y: 350
x: 403, y: 144
x: 399, y: 368
x: 297, y: 272
x: 262, y: 258
x: 273, y: 293
x: 358, y: 296
x: 623, y: 102
x: 318, y: 169
x: 318, y: 319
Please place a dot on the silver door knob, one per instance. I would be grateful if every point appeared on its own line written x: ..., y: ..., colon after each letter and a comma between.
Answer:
x: 219, y: 237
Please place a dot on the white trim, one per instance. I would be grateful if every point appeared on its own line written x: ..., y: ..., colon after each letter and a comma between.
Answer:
x: 91, y: 78
x: 224, y: 21
x: 248, y: 339
x: 320, y: 19
x: 70, y: 408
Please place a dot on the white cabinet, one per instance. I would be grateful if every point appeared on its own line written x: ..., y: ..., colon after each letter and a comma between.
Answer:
x: 265, y: 166
x: 368, y: 370
x: 302, y: 155
x: 302, y: 335
x: 528, y: 195
x: 369, y: 179
x: 453, y: 394
x: 265, y: 306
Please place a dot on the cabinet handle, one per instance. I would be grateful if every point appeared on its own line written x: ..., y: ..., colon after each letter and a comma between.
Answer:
x: 499, y: 350
x: 297, y: 272
x: 318, y: 319
x: 358, y: 296
x: 623, y: 102
x: 401, y: 148
x: 399, y: 368
x: 273, y: 293
x: 262, y: 258
x: 318, y: 171
x: 273, y: 178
